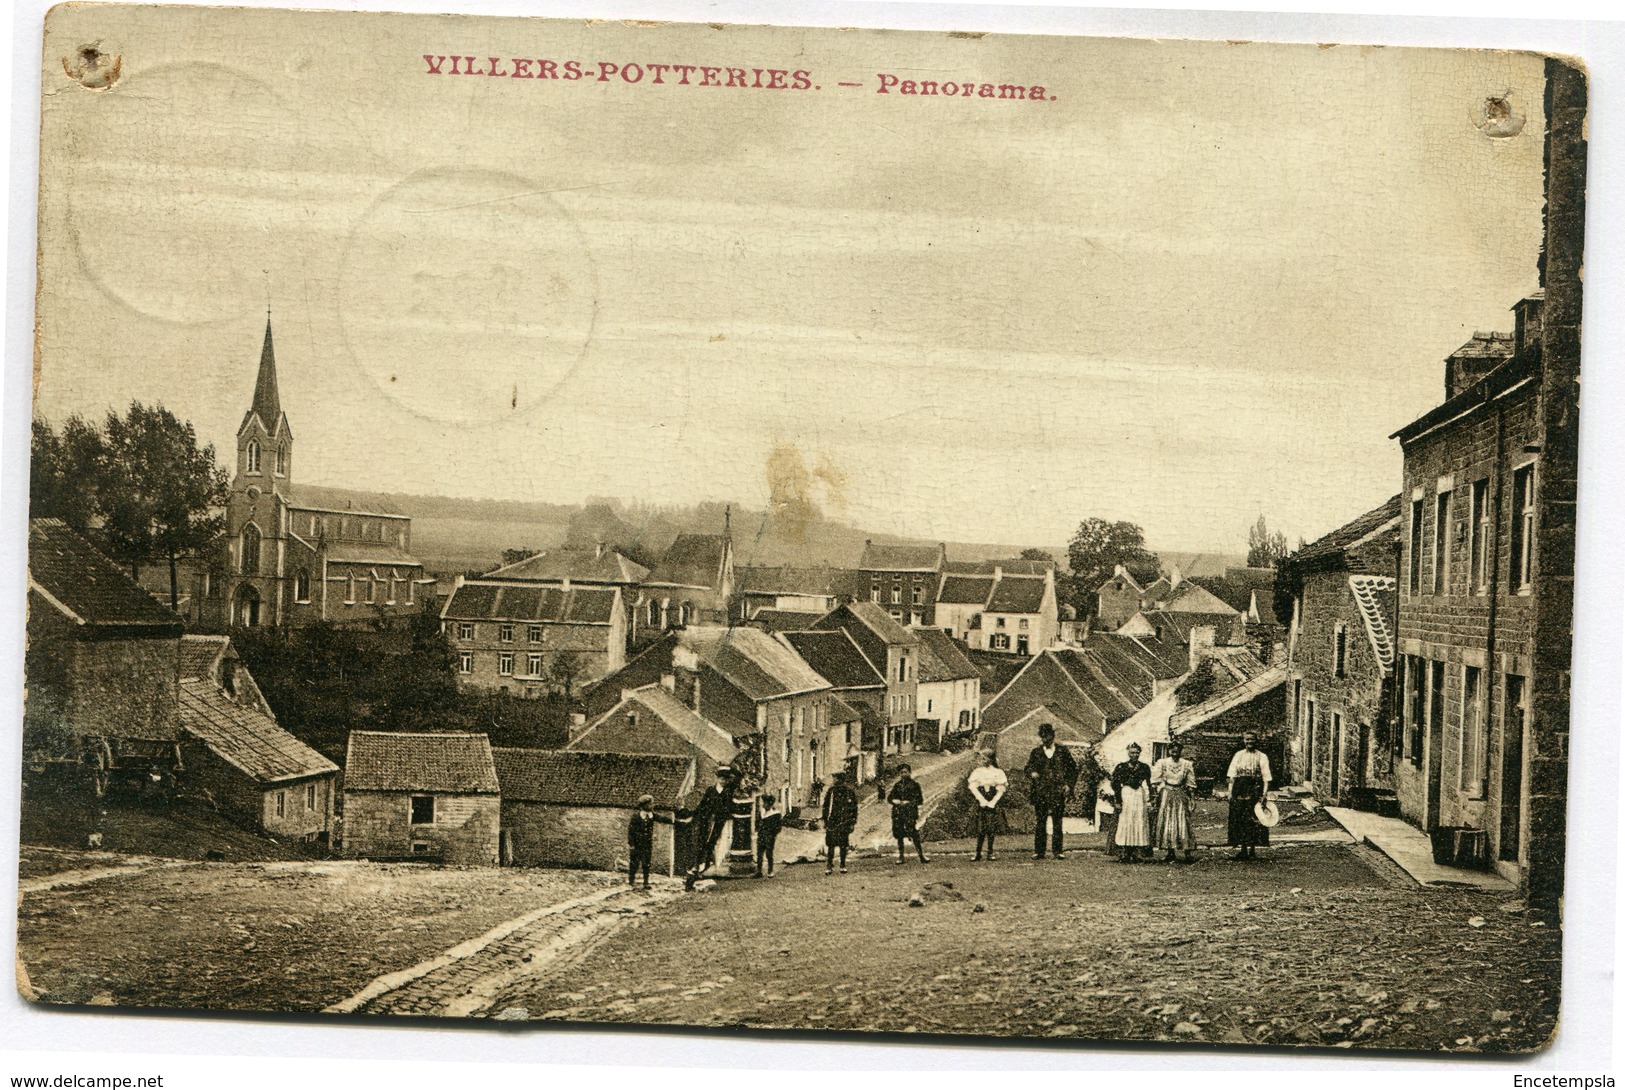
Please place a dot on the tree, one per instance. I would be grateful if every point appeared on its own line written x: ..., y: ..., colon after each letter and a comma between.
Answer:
x: 1037, y: 554
x: 1265, y: 548
x: 565, y: 669
x: 514, y: 556
x: 1094, y: 553
x: 63, y: 471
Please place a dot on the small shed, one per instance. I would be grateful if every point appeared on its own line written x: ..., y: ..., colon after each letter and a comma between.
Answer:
x: 421, y: 796
x: 563, y: 808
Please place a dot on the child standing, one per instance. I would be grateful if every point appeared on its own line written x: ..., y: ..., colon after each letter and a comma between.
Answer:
x: 640, y: 839
x: 768, y: 825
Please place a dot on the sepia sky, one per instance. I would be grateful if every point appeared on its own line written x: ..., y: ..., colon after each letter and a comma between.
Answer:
x: 1204, y: 282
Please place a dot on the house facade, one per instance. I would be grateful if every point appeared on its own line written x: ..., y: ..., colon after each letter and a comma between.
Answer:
x: 1012, y: 612
x: 294, y: 554
x: 421, y: 796
x: 651, y: 720
x: 509, y: 635
x: 601, y: 566
x: 903, y: 580
x: 949, y: 699
x: 883, y: 641
x: 693, y: 584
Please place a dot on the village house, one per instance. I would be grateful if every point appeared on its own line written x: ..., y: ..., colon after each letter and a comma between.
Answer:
x: 1229, y: 627
x: 949, y: 700
x: 509, y: 636
x: 903, y: 580
x: 883, y: 641
x: 813, y: 591
x: 651, y: 720
x: 601, y: 566
x: 1340, y: 659
x: 102, y: 662
x: 1250, y: 699
x: 239, y: 758
x: 294, y: 554
x: 1014, y: 613
x: 1119, y: 598
x: 861, y: 685
x: 570, y: 809
x: 421, y: 796
x: 693, y: 584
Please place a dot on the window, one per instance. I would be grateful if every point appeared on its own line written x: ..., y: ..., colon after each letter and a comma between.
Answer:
x: 1415, y: 679
x: 419, y: 848
x: 1441, y: 544
x: 394, y: 581
x: 999, y: 642
x: 1435, y: 708
x: 349, y: 590
x: 1474, y: 751
x: 372, y: 588
x: 310, y: 797
x: 928, y: 704
x: 301, y: 585
x: 422, y: 810
x: 896, y: 595
x: 874, y: 590
x: 505, y: 664
x: 250, y: 550
x: 465, y: 662
x: 465, y: 630
x: 281, y: 461
x: 1415, y: 579
x: 916, y: 618
x: 1478, y: 551
x: 919, y: 595
x: 535, y: 633
x: 410, y: 588
x: 1523, y: 528
x: 505, y: 633
x: 685, y: 614
x: 281, y: 804
x: 654, y: 613
x: 1000, y: 623
x: 1023, y: 624
x: 533, y: 664
x: 1514, y: 717
x: 251, y: 457
x: 1340, y: 649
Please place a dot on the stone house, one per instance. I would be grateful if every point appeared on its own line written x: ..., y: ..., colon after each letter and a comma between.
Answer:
x: 239, y: 757
x: 651, y: 719
x: 563, y: 808
x: 601, y: 566
x: 421, y: 796
x: 1340, y: 659
x: 895, y: 650
x: 1211, y: 730
x: 902, y: 580
x: 950, y: 690
x: 102, y: 663
x: 792, y: 590
x: 509, y: 635
x: 861, y: 684
x: 294, y: 554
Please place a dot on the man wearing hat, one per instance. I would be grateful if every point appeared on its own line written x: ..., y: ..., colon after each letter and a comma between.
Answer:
x: 640, y: 840
x: 1051, y: 776
x: 840, y: 816
x: 711, y: 817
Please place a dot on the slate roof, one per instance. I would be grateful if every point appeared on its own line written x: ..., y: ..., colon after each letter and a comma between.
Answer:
x: 783, y: 620
x: 900, y: 557
x: 245, y: 738
x: 836, y: 658
x: 1370, y: 592
x: 453, y: 764
x: 672, y: 728
x: 694, y: 560
x: 1117, y: 693
x: 576, y: 565
x: 1331, y: 550
x: 1017, y: 594
x: 1190, y: 718
x: 1189, y: 597
x: 1158, y: 590
x: 1159, y: 660
x: 89, y: 589
x: 1490, y: 345
x: 1016, y: 567
x: 842, y: 712
x: 813, y: 582
x: 524, y: 602
x: 200, y: 656
x: 965, y: 590
x: 757, y: 664
x: 1043, y: 681
x: 879, y: 622
x: 942, y: 658
x: 267, y: 404
x: 371, y: 552
x: 344, y: 501
x: 572, y: 778
x: 1176, y: 627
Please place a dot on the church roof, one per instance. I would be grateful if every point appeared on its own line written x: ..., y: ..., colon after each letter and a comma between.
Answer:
x: 267, y: 404
x: 371, y: 552
x: 342, y: 501
x: 694, y: 560
x: 577, y: 565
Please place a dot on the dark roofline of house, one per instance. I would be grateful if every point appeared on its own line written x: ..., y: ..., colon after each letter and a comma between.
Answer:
x: 1497, y: 384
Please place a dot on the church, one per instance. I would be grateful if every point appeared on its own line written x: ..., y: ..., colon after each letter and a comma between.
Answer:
x: 294, y: 554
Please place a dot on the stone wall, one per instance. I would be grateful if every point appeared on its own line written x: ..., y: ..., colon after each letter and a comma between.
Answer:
x: 377, y: 824
x: 542, y: 835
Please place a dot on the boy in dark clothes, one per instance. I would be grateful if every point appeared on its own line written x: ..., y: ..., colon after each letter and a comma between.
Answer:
x: 840, y: 818
x: 767, y: 834
x: 640, y: 839
x: 906, y: 798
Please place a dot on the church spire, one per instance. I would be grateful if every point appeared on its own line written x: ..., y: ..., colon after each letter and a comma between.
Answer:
x: 267, y: 405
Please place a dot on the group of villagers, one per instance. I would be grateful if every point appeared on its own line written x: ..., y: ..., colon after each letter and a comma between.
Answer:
x: 1152, y: 806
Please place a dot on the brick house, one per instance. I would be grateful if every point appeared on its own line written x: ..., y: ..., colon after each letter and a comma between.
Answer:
x: 294, y: 554
x: 102, y: 663
x: 903, y: 580
x: 895, y: 650
x: 425, y: 796
x: 509, y: 635
x: 1340, y: 659
x: 570, y: 809
x: 237, y: 754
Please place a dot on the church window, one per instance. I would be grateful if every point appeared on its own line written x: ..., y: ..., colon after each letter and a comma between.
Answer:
x: 349, y: 590
x: 281, y: 461
x: 410, y: 587
x: 251, y: 550
x: 301, y: 585
x: 372, y: 589
x: 393, y: 582
x: 251, y: 457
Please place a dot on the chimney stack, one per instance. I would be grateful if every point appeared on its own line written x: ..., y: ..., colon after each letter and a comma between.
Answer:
x: 599, y: 551
x: 668, y: 682
x: 1202, y: 640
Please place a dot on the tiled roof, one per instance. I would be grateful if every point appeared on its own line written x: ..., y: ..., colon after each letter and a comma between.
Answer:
x: 1160, y: 660
x: 1043, y: 681
x: 942, y: 658
x: 1486, y: 346
x: 836, y: 658
x: 755, y: 663
x: 1189, y: 597
x: 525, y: 602
x: 247, y: 739
x: 576, y: 778
x: 694, y: 560
x: 1240, y: 662
x: 1117, y: 694
x: 1157, y: 590
x: 1329, y: 551
x: 445, y: 763
x: 316, y: 497
x: 200, y: 656
x: 842, y: 712
x: 89, y: 589
x: 577, y: 565
x: 1194, y: 716
x: 1017, y: 594
x: 812, y: 582
x: 965, y: 590
x: 901, y: 558
x: 880, y: 623
x: 783, y: 620
x: 370, y: 552
x: 1369, y: 592
x: 671, y: 728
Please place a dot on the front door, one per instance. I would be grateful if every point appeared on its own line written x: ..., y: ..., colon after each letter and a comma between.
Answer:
x: 1514, y: 722
x: 1434, y: 752
x: 1337, y: 756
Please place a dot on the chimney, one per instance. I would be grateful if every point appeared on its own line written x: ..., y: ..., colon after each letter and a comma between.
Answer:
x: 998, y: 572
x: 1526, y: 315
x: 1202, y: 639
x: 578, y: 723
x: 598, y: 551
x: 1469, y: 364
x: 1174, y: 578
x: 567, y: 584
x: 668, y: 682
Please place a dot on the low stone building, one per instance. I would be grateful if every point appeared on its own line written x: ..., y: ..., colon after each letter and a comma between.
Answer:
x: 421, y: 796
x: 570, y: 809
x: 651, y: 720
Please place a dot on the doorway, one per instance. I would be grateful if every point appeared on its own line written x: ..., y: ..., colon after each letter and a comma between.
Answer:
x: 1434, y: 752
x: 247, y: 611
x: 1513, y: 723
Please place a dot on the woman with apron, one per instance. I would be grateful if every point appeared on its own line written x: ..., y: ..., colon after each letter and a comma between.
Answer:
x: 1249, y: 785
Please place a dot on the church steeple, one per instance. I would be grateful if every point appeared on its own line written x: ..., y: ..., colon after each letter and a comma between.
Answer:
x: 266, y: 402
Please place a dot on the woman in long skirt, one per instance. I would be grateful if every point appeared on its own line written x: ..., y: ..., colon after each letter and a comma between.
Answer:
x: 1249, y: 785
x: 1132, y: 782
x: 1175, y: 778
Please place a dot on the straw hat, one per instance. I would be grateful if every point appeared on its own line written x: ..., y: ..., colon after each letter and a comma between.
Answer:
x: 1266, y: 813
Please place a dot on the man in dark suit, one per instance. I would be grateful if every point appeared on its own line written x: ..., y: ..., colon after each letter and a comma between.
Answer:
x: 711, y: 818
x: 1051, y: 777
